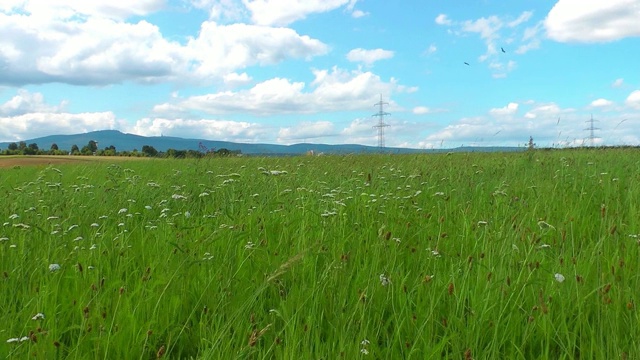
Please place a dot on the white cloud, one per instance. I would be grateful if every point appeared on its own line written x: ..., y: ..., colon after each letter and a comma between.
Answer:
x: 544, y: 111
x: 105, y: 51
x: 421, y: 110
x: 431, y: 49
x: 37, y: 124
x: 332, y: 91
x: 234, y: 79
x: 593, y: 20
x: 67, y: 9
x: 633, y: 100
x: 617, y: 83
x: 442, y: 19
x: 284, y: 12
x: 224, y: 130
x: 368, y: 56
x: 510, y: 109
x: 358, y: 14
x: 524, y: 17
x: 601, y: 103
x: 25, y: 102
x: 306, y: 130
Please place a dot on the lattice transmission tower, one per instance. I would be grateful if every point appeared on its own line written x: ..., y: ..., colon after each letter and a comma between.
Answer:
x: 592, y: 129
x: 381, y: 124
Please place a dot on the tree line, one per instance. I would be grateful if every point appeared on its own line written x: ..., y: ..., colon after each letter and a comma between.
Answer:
x: 91, y: 149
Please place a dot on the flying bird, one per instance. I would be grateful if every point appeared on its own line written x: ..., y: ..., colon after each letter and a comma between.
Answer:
x: 502, y: 50
x: 558, y: 121
x: 466, y: 63
x: 497, y: 132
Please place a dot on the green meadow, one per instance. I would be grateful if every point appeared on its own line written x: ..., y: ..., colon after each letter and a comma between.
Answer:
x: 531, y: 255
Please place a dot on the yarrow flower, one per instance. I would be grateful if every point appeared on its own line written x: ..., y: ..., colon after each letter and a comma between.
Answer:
x: 54, y: 267
x: 384, y: 280
x: 38, y: 316
x: 559, y: 277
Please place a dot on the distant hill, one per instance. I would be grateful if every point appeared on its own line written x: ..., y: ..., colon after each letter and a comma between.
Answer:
x: 129, y: 142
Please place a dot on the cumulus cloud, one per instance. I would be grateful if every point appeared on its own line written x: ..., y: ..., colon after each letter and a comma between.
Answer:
x: 37, y: 124
x: 510, y: 109
x: 26, y: 102
x: 593, y: 20
x: 442, y: 19
x: 633, y: 100
x: 224, y: 130
x: 280, y: 13
x: 66, y: 9
x: 95, y: 50
x: 331, y: 90
x: 601, y: 103
x: 368, y: 57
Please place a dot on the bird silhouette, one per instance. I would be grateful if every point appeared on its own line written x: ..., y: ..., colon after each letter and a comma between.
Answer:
x: 503, y: 50
x: 466, y: 63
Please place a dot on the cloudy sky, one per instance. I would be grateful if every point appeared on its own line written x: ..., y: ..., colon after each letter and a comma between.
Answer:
x: 290, y: 71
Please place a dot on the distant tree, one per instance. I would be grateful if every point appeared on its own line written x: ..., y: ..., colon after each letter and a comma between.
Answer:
x: 223, y: 152
x: 54, y: 146
x: 13, y: 146
x: 22, y: 145
x: 93, y: 146
x: 32, y: 149
x: 75, y: 150
x: 150, y: 151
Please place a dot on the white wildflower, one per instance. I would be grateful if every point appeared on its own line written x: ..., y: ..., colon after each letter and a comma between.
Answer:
x: 38, y: 316
x: 364, y: 351
x: 187, y: 214
x: 14, y: 340
x: 559, y: 277
x: 78, y: 238
x: 14, y: 216
x: 203, y: 194
x: 2, y: 239
x: 122, y: 211
x: 384, y: 280
x: 95, y: 225
x: 148, y: 207
x: 72, y: 227
x: 52, y: 218
x: 544, y: 246
x: 250, y: 245
x: 545, y: 225
x: 54, y: 267
x: 482, y: 223
x: 439, y: 193
x: 178, y: 197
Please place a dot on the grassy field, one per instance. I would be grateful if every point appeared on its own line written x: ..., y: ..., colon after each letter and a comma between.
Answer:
x: 460, y: 256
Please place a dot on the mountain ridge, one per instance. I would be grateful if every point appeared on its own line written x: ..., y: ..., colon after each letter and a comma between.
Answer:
x: 128, y: 142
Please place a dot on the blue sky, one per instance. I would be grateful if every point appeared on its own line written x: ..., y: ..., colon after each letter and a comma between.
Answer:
x: 290, y: 71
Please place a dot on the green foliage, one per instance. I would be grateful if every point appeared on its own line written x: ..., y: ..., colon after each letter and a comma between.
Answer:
x: 400, y: 257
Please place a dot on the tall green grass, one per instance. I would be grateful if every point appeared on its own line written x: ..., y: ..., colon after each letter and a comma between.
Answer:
x: 389, y: 257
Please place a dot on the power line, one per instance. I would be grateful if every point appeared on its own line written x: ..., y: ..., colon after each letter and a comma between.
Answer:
x: 381, y: 124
